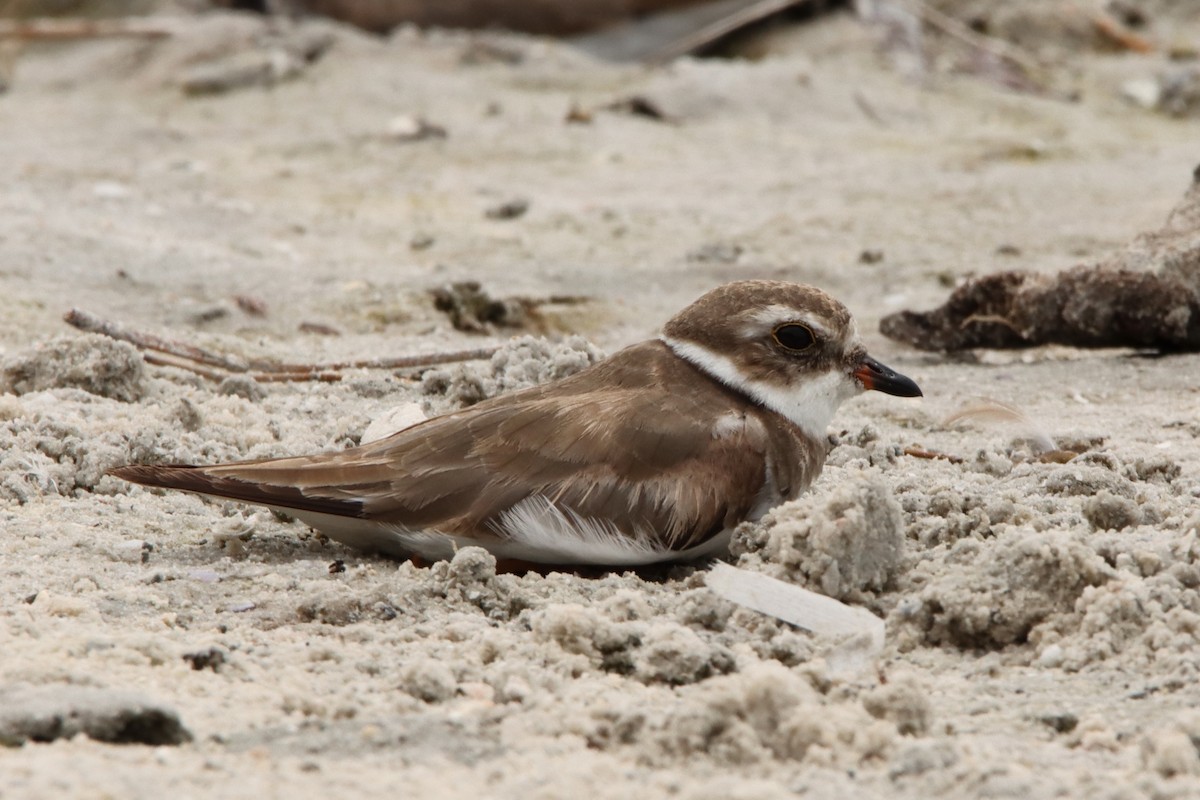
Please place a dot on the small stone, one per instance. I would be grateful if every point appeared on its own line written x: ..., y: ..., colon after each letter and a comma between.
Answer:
x: 1170, y: 753
x: 1143, y: 92
x: 1108, y: 512
x: 1059, y: 721
x: 429, y: 679
x: 902, y: 701
x: 421, y: 241
x: 47, y: 713
x: 242, y: 386
x: 578, y: 115
x: 212, y: 659
x: 407, y: 128
x: 318, y: 328
x: 509, y: 209
x: 1180, y: 92
x: 208, y: 314
x: 250, y: 305
x: 110, y: 190
x: 242, y: 70
x: 716, y: 253
x: 1051, y: 657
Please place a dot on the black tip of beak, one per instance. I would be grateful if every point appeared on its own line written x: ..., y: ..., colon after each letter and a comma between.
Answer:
x: 873, y: 375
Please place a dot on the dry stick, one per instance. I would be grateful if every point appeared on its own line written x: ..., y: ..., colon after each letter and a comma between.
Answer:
x: 920, y: 452
x: 989, y: 44
x: 50, y: 29
x: 163, y: 360
x: 148, y: 341
x: 171, y: 353
x: 190, y: 366
x: 1119, y: 35
x: 398, y: 362
x: 864, y: 105
x: 296, y: 377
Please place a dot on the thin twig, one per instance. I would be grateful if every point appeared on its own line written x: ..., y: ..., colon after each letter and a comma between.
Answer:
x: 920, y: 452
x: 160, y: 360
x: 992, y: 319
x: 398, y: 362
x: 84, y: 321
x: 217, y: 366
x: 864, y: 105
x: 296, y: 377
x: 1120, y: 36
x: 163, y: 360
x: 972, y: 38
x: 52, y: 29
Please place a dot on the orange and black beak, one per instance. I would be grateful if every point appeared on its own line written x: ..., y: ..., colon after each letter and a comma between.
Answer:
x: 873, y: 375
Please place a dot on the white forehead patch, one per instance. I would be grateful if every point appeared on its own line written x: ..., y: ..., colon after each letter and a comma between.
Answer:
x: 809, y: 404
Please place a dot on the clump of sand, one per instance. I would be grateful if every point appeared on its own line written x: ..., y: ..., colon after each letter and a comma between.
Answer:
x: 847, y: 543
x: 766, y: 712
x: 91, y: 362
x: 987, y: 597
x: 519, y: 363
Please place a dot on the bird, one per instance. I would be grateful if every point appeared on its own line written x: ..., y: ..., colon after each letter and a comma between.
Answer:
x: 654, y: 454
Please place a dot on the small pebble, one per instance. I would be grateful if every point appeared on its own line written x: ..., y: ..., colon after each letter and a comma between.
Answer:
x: 509, y: 209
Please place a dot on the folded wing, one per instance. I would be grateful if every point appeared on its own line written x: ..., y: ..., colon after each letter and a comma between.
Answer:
x: 610, y: 455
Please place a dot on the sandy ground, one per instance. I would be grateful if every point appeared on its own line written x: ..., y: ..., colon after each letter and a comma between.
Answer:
x: 1043, y: 618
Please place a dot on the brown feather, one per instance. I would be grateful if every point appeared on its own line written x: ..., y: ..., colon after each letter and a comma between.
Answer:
x: 618, y: 442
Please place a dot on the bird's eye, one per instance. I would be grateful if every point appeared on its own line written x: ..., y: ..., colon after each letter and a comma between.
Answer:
x: 794, y: 336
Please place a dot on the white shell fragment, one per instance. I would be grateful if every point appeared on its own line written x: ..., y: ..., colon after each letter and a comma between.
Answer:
x: 392, y: 421
x: 861, y: 632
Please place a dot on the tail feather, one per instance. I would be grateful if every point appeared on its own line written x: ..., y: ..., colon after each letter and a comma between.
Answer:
x: 196, y: 479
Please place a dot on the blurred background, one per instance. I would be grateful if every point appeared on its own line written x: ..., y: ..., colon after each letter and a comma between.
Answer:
x: 320, y: 169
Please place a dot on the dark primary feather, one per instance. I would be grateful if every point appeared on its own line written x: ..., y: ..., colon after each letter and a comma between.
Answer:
x: 197, y: 479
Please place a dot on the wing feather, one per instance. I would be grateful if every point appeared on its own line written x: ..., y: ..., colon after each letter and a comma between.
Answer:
x: 629, y: 444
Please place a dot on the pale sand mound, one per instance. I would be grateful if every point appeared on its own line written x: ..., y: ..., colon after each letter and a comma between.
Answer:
x: 847, y: 543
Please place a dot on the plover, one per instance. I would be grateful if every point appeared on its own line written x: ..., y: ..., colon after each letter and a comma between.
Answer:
x: 654, y: 454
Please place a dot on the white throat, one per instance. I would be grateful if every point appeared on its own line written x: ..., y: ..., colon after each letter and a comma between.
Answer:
x: 809, y: 405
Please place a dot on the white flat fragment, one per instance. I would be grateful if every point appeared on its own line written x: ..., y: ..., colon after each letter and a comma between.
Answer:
x: 393, y: 421
x: 131, y: 551
x: 204, y: 575
x: 861, y: 631
x: 1145, y: 92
